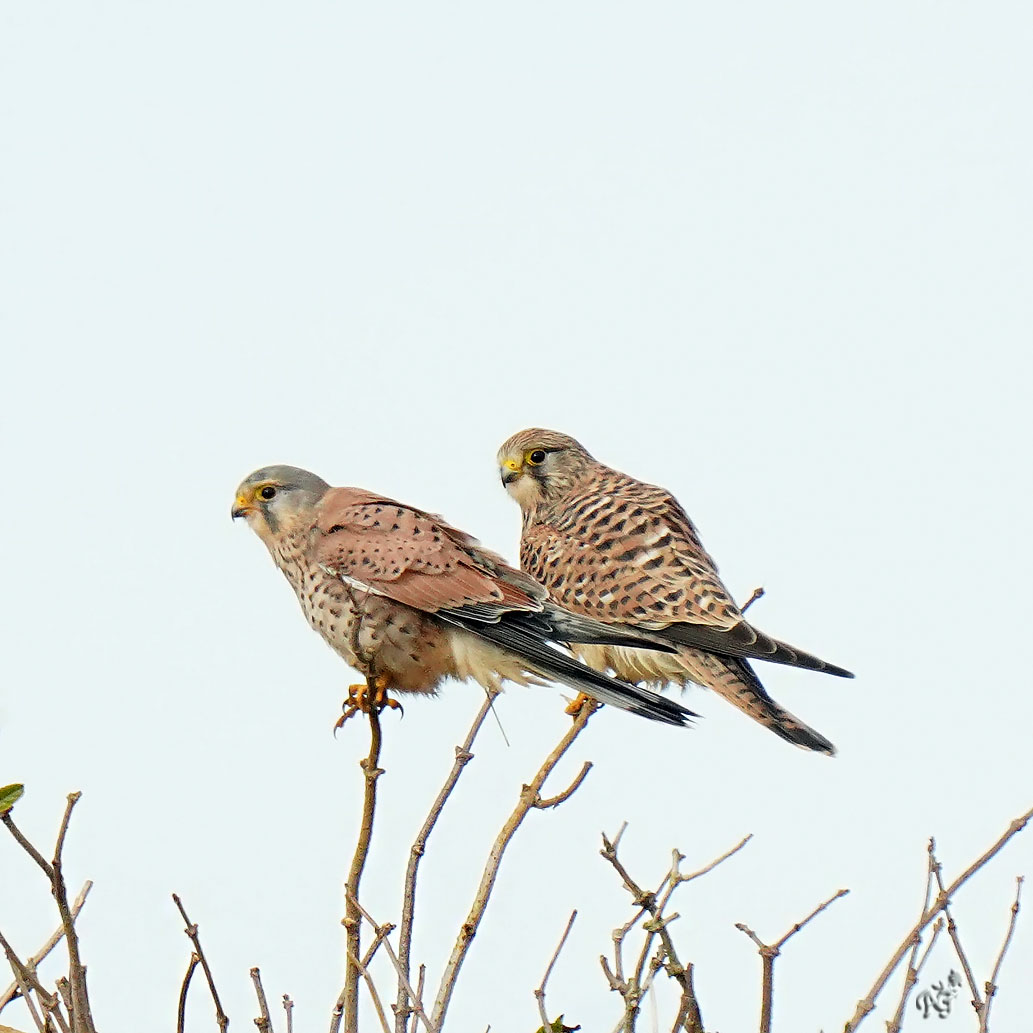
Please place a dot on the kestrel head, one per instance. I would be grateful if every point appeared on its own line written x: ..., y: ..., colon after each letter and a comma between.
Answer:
x: 276, y: 495
x: 538, y: 465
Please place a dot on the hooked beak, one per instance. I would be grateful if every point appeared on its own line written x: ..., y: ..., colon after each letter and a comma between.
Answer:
x: 240, y: 507
x: 511, y: 470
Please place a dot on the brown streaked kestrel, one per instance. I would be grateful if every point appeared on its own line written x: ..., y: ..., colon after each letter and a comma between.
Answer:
x: 625, y: 553
x: 408, y: 600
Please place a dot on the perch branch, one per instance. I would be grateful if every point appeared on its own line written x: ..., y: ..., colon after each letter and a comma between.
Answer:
x: 952, y: 930
x: 530, y: 795
x: 352, y: 922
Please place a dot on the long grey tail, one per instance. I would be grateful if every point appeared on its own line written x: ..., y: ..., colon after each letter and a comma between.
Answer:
x: 520, y: 632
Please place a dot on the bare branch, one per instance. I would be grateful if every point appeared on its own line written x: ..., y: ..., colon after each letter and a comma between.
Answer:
x: 757, y: 594
x: 191, y: 931
x: 867, y: 1004
x: 540, y: 992
x: 264, y: 1021
x: 352, y: 923
x: 991, y: 985
x: 288, y: 1007
x: 529, y: 796
x: 463, y: 757
x: 181, y: 1011
x: 82, y: 1020
x: 55, y: 938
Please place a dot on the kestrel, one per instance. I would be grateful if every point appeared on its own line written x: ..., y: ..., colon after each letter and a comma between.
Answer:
x: 625, y: 553
x: 408, y: 600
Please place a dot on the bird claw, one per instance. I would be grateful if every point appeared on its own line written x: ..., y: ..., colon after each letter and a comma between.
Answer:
x: 580, y: 700
x: 367, y: 696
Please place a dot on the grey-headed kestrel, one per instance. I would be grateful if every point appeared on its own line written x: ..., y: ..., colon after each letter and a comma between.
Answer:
x: 624, y: 552
x: 408, y: 600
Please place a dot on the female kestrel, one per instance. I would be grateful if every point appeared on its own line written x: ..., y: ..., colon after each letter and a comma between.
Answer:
x: 625, y: 553
x: 408, y: 600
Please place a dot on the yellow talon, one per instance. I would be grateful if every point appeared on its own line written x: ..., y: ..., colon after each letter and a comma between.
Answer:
x: 367, y: 696
x: 574, y: 707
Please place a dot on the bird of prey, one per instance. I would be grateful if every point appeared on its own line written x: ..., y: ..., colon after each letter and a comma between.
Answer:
x: 625, y: 553
x: 408, y: 600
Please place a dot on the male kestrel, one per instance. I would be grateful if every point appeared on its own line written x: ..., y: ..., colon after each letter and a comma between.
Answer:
x: 408, y: 600
x: 610, y: 547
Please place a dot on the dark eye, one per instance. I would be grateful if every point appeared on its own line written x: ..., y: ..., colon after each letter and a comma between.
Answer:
x: 537, y: 457
x: 268, y: 492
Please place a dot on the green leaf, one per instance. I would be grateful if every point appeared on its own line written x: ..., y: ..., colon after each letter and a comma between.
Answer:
x: 10, y: 795
x: 557, y: 1026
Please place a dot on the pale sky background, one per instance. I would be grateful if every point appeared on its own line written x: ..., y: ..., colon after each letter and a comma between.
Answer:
x: 776, y: 257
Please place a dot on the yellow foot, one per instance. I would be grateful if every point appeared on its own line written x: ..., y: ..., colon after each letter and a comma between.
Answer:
x: 574, y: 708
x: 367, y: 696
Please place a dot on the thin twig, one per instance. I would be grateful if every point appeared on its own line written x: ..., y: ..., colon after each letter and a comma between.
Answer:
x: 264, y: 1021
x: 374, y: 996
x: 529, y: 796
x: 393, y: 958
x: 352, y: 924
x: 769, y: 951
x: 867, y: 1004
x: 463, y: 757
x: 893, y: 1026
x: 555, y: 801
x: 540, y: 992
x: 191, y: 931
x: 181, y: 1011
x: 421, y: 980
x: 991, y: 985
x: 82, y: 1020
x: 25, y: 980
x: 55, y: 938
x: 757, y: 594
x: 288, y: 1007
x: 952, y: 930
x: 653, y: 904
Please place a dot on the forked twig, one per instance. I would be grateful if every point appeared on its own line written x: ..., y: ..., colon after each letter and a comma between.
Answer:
x: 540, y: 992
x: 530, y: 796
x: 769, y: 951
